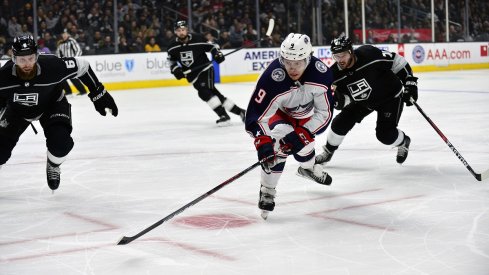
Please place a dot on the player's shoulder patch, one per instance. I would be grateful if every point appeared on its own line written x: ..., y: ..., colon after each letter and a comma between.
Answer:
x: 278, y: 74
x: 320, y: 66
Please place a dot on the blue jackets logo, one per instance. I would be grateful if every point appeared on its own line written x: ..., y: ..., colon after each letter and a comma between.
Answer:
x: 418, y: 54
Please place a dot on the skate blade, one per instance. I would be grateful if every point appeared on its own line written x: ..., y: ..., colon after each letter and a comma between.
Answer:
x: 224, y: 124
x: 264, y: 214
x: 306, y: 177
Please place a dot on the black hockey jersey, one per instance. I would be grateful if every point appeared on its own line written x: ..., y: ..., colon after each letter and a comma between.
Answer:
x: 191, y: 54
x: 29, y: 99
x: 376, y: 76
x: 309, y: 97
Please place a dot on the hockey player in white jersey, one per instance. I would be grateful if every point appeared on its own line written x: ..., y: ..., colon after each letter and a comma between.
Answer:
x: 292, y: 102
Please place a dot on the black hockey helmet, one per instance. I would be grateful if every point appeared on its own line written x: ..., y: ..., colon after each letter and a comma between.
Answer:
x: 180, y: 24
x: 341, y: 44
x: 24, y: 45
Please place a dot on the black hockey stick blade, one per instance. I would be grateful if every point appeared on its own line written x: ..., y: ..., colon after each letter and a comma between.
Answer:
x: 126, y: 240
x: 482, y: 176
x: 479, y: 177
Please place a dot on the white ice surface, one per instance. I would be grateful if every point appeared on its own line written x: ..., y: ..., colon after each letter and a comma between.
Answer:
x: 428, y: 216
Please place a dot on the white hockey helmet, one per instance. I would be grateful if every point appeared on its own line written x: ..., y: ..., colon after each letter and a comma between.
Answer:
x: 296, y: 46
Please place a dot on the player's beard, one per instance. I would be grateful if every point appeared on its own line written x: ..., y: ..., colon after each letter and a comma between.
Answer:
x: 182, y: 38
x: 349, y: 63
x: 26, y: 75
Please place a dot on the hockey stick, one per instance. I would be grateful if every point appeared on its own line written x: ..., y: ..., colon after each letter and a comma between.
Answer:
x: 126, y: 240
x: 271, y: 24
x: 478, y: 176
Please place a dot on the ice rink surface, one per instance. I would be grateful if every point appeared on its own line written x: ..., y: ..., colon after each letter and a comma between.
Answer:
x: 428, y: 216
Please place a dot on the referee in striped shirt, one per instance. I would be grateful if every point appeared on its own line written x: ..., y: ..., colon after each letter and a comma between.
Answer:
x: 68, y: 47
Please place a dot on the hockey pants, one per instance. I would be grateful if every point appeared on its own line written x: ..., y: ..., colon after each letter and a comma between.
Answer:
x: 388, y: 115
x: 56, y: 124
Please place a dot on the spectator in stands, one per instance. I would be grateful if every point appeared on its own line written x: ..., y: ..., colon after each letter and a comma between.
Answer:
x: 210, y: 38
x: 83, y: 41
x: 107, y: 46
x: 3, y: 41
x: 151, y: 46
x: 124, y: 47
x: 14, y: 27
x: 167, y: 39
x: 7, y: 52
x: 96, y: 43
x: 249, y: 40
x: 456, y: 34
x: 276, y: 40
x: 371, y: 37
x: 134, y: 29
x: 51, y: 20
x: 49, y: 41
x: 42, y: 47
x: 223, y: 40
x: 43, y: 28
x: 137, y: 46
x: 236, y: 34
x: 484, y: 35
x: 390, y: 39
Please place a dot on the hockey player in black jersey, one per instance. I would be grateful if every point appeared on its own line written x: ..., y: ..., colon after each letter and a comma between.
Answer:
x: 291, y: 104
x: 30, y: 90
x: 188, y: 51
x: 368, y: 79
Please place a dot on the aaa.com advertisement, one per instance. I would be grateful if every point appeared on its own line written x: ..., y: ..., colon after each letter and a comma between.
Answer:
x: 445, y: 54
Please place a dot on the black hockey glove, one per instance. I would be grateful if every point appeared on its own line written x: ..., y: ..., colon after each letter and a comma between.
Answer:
x: 219, y: 57
x: 103, y: 100
x: 178, y: 73
x: 341, y: 100
x: 295, y: 141
x: 410, y: 90
x: 266, y: 153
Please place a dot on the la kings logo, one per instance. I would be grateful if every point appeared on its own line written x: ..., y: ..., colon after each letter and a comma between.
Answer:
x: 26, y: 99
x: 187, y: 58
x: 359, y: 90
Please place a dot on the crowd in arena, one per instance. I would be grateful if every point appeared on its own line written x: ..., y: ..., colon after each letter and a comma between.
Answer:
x: 147, y: 25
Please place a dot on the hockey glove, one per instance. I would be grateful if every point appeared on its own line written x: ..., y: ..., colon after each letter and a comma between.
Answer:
x: 341, y: 100
x: 103, y: 100
x: 178, y: 73
x: 410, y: 90
x: 219, y: 57
x: 266, y: 154
x: 295, y: 141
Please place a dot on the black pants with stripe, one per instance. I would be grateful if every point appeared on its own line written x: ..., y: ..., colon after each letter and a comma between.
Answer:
x: 56, y: 124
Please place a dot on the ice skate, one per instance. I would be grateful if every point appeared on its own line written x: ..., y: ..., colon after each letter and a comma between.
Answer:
x: 53, y: 173
x: 266, y: 201
x: 324, y: 156
x: 316, y: 174
x: 223, y: 121
x: 403, y: 150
